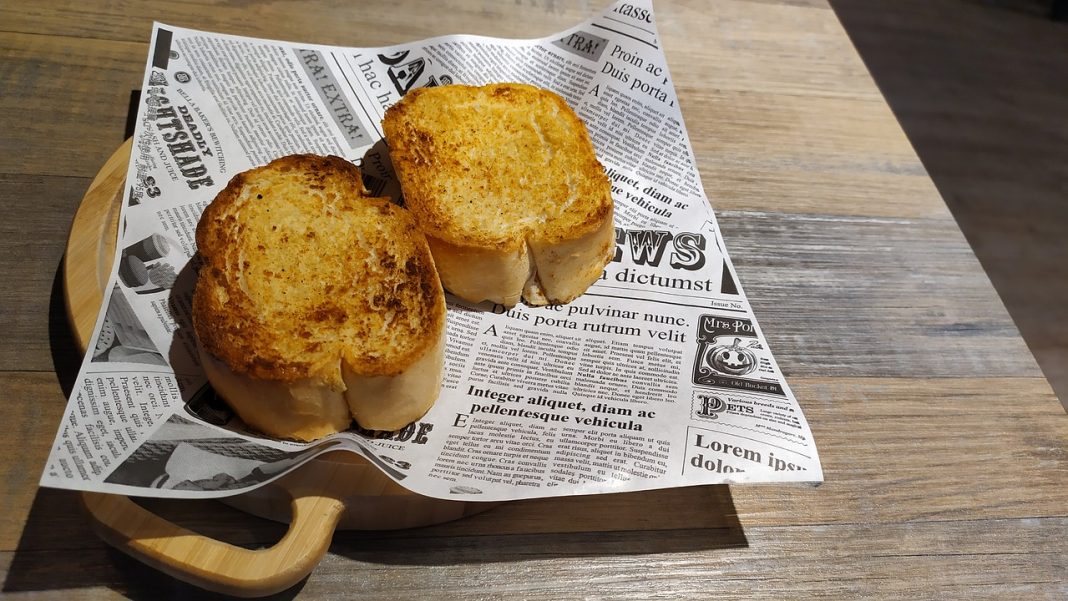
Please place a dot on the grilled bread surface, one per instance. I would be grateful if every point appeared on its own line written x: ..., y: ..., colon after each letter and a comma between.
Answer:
x: 310, y: 290
x: 505, y: 183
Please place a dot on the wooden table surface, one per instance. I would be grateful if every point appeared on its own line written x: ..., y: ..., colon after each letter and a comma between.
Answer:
x: 944, y: 449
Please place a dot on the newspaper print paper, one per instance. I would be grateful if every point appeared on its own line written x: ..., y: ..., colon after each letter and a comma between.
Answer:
x: 659, y: 376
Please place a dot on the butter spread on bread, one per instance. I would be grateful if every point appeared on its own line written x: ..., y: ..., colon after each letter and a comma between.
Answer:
x: 504, y: 182
x: 316, y: 303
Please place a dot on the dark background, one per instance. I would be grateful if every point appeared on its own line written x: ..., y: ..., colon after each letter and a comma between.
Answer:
x: 981, y: 90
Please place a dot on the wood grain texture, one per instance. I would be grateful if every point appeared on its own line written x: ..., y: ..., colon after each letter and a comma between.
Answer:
x: 986, y: 114
x: 944, y: 448
x: 35, y: 215
x: 31, y: 402
x: 62, y: 96
x: 798, y: 139
x: 939, y: 499
x: 943, y: 560
x: 712, y: 47
x: 872, y: 296
x: 90, y: 251
x: 940, y: 456
x: 331, y: 23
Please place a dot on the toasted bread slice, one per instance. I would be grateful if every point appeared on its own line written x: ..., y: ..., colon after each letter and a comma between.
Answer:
x: 315, y: 303
x: 504, y: 181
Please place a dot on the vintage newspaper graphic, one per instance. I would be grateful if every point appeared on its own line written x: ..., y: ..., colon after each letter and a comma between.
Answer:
x: 658, y: 376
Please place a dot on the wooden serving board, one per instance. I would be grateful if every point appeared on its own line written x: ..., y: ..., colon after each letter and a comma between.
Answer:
x: 335, y: 490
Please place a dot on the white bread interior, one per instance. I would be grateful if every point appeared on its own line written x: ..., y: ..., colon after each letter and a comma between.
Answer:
x: 481, y: 274
x: 302, y: 410
x: 310, y: 409
x: 389, y: 402
x: 565, y: 269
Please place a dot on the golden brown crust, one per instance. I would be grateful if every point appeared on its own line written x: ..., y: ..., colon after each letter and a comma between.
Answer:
x: 497, y: 169
x: 492, y: 166
x: 302, y: 271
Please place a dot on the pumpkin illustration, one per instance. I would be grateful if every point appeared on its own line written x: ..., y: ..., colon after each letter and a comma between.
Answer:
x: 734, y: 360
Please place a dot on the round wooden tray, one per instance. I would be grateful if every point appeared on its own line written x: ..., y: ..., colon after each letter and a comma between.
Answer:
x: 335, y: 490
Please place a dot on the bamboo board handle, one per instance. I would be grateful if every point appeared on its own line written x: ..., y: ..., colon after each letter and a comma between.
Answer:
x: 91, y: 244
x: 213, y: 564
x: 134, y: 530
x: 332, y: 487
